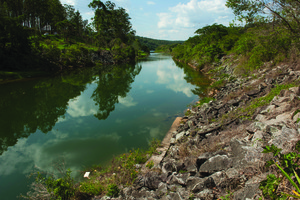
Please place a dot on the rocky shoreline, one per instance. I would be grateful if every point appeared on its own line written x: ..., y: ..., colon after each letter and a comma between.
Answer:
x: 217, y: 149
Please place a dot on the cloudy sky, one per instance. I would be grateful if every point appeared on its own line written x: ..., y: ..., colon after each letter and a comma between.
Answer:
x: 166, y: 19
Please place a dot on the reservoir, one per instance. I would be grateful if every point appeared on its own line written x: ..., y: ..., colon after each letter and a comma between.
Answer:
x: 87, y: 116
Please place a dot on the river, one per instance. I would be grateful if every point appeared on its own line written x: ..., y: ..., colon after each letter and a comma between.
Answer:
x: 88, y: 116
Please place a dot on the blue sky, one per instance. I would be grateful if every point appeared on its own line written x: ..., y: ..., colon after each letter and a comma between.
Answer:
x: 166, y: 19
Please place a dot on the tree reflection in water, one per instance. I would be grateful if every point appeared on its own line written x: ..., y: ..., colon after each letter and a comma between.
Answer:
x: 28, y: 106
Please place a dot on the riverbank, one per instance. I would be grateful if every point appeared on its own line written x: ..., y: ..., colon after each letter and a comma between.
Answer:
x: 216, y: 151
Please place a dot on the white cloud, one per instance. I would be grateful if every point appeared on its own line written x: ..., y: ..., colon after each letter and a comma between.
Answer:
x: 186, y: 18
x: 91, y: 13
x: 149, y: 91
x: 166, y: 20
x: 127, y: 101
x: 151, y: 3
x: 79, y: 108
x: 174, y: 80
x: 69, y: 2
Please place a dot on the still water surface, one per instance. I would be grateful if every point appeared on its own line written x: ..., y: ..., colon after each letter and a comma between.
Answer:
x: 87, y: 117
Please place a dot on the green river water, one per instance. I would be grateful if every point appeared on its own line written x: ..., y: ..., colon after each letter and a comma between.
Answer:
x: 87, y: 117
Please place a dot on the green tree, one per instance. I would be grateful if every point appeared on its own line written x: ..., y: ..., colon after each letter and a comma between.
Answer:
x: 110, y: 23
x: 286, y: 12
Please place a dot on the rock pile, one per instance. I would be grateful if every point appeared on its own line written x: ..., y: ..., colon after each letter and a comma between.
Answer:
x: 214, y: 150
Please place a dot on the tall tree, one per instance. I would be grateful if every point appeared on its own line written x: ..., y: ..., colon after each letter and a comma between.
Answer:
x: 110, y: 22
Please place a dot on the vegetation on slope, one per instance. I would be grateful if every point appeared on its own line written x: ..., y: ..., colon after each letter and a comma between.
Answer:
x: 271, y: 36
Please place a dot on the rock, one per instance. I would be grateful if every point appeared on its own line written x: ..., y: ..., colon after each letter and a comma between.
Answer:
x: 269, y: 109
x: 190, y: 165
x: 285, y: 93
x: 174, y: 180
x: 203, y: 158
x: 203, y: 184
x: 214, y: 164
x: 272, y: 130
x: 180, y: 135
x: 232, y: 173
x: 253, y: 92
x: 285, y: 139
x: 169, y: 166
x: 191, y: 123
x: 279, y: 100
x: 218, y: 177
x: 260, y: 118
x: 176, y: 196
x: 162, y: 190
x: 234, y: 102
x: 250, y: 190
x: 206, y: 194
x: 296, y: 117
x: 256, y: 126
x: 192, y: 181
x: 150, y: 180
x: 172, y: 141
x: 295, y: 90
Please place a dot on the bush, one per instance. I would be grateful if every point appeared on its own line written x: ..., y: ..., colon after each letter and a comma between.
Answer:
x: 113, y: 190
x: 91, y: 188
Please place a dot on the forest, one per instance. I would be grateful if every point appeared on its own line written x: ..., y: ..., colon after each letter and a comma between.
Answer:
x: 264, y: 31
x: 47, y: 36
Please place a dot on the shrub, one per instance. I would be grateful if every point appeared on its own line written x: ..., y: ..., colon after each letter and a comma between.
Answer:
x: 113, y: 190
x: 91, y: 188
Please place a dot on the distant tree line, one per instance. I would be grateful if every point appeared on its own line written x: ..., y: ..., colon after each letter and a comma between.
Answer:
x: 152, y: 44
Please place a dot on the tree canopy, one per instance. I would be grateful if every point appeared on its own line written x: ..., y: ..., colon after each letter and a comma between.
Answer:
x: 286, y: 12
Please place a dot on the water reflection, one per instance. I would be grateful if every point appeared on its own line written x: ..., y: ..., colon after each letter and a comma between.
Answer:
x: 27, y: 107
x: 197, y: 79
x: 112, y: 87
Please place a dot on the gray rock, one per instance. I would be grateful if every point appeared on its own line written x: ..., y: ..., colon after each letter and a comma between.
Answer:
x: 218, y: 177
x: 277, y: 101
x: 253, y: 92
x: 206, y: 194
x: 295, y: 90
x: 190, y: 165
x: 172, y: 141
x: 162, y: 190
x: 169, y: 166
x: 205, y: 183
x: 176, y: 196
x: 256, y: 126
x: 192, y: 181
x: 272, y: 130
x: 269, y: 109
x: 216, y: 163
x: 296, y: 117
x: 250, y: 190
x: 232, y: 173
x: 203, y: 158
x: 260, y: 118
x: 286, y: 139
x: 180, y: 135
x: 174, y: 180
x: 247, y: 192
x: 150, y: 180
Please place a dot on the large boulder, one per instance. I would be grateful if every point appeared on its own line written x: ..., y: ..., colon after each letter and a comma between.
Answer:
x: 215, y: 164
